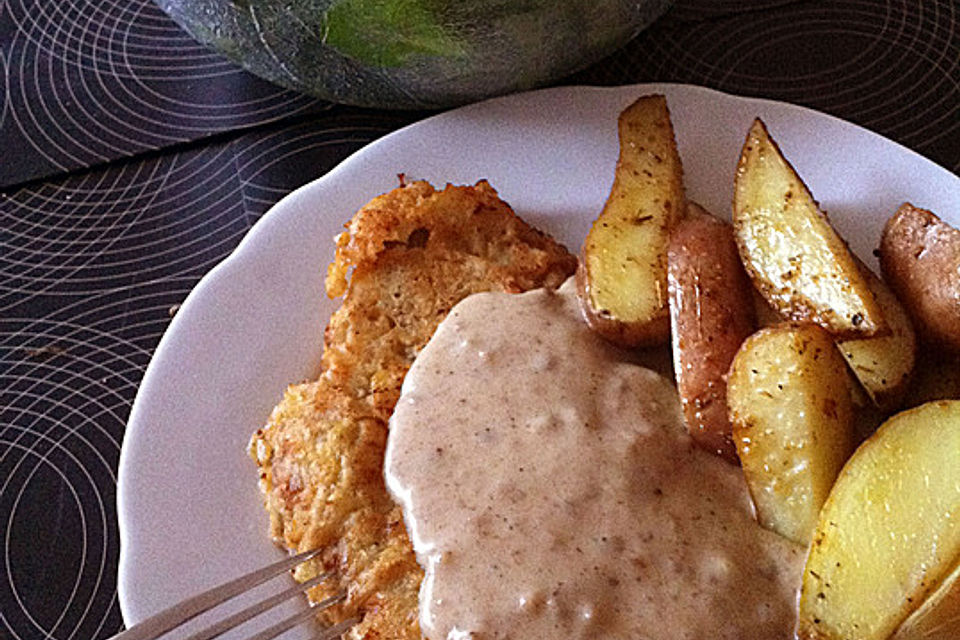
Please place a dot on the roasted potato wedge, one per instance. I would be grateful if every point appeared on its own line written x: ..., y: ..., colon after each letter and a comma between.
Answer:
x: 792, y: 415
x: 889, y: 534
x: 710, y: 316
x: 622, y: 278
x: 884, y: 364
x: 794, y: 257
x: 920, y: 259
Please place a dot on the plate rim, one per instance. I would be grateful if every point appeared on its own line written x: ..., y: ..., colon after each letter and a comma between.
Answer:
x: 258, y: 239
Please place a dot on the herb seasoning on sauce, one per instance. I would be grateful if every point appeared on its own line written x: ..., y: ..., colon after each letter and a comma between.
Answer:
x: 551, y: 490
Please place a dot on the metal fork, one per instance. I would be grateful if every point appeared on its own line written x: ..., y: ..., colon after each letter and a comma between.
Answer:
x: 169, y: 619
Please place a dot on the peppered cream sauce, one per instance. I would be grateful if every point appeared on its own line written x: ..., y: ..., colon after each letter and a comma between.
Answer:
x: 551, y: 491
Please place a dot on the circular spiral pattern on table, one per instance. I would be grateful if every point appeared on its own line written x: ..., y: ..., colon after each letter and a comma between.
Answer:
x: 101, y: 79
x: 66, y: 389
x: 81, y: 311
x: 162, y: 216
x: 166, y: 216
x: 890, y: 66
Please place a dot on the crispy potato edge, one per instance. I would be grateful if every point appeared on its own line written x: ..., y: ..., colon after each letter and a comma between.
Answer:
x: 798, y: 306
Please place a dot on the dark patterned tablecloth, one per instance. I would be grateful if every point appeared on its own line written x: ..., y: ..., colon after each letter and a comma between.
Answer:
x: 134, y: 160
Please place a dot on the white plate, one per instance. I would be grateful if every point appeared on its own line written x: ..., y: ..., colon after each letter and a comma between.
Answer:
x: 189, y: 509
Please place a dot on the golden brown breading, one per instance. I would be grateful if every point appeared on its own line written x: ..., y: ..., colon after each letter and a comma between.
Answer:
x: 407, y: 257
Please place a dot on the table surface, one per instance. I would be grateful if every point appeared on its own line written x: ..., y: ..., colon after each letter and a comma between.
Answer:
x: 136, y: 159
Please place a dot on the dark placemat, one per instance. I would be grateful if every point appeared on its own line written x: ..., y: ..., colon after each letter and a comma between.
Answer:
x: 92, y: 265
x: 92, y: 268
x: 892, y: 67
x: 89, y: 81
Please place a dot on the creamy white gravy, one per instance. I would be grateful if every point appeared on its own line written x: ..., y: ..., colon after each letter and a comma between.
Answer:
x: 551, y: 491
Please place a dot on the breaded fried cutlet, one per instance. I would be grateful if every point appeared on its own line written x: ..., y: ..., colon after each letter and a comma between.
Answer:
x: 406, y: 258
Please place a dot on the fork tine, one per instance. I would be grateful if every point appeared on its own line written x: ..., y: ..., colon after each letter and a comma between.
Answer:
x: 178, y: 614
x: 272, y: 632
x: 256, y: 609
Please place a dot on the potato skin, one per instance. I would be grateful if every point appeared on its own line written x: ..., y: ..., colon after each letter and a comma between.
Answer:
x: 920, y: 259
x: 937, y: 377
x: 711, y: 313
